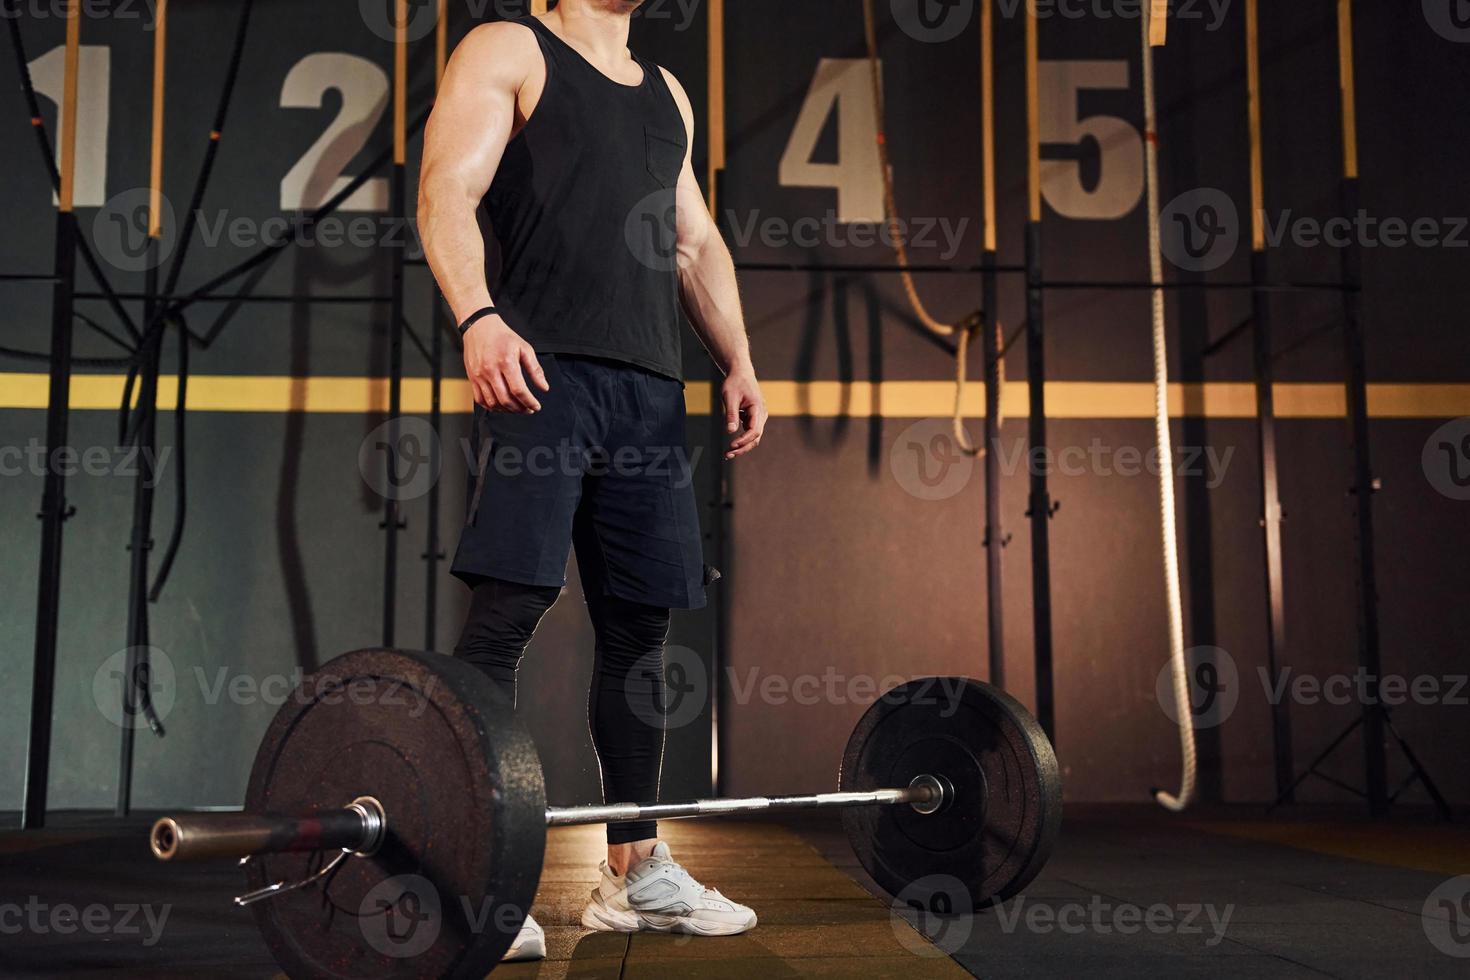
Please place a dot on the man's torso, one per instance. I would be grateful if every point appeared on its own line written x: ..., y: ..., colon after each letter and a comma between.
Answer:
x: 583, y: 210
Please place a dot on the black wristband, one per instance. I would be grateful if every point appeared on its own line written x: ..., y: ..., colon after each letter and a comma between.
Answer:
x: 476, y: 317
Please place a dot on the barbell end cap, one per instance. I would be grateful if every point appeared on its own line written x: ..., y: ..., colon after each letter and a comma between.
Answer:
x: 939, y: 793
x: 163, y: 839
x: 374, y: 824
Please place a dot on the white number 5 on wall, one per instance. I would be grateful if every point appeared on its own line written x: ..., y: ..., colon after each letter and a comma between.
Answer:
x: 1118, y: 142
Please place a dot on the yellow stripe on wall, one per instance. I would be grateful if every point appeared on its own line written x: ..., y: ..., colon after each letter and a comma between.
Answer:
x: 820, y: 399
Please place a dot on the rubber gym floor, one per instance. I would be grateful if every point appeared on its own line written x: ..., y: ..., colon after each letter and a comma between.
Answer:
x: 1130, y: 892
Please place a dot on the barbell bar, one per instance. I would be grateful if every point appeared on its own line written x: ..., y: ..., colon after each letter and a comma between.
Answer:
x: 926, y: 794
x: 361, y: 826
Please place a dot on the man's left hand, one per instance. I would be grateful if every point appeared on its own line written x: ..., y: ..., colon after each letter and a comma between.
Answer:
x: 745, y: 412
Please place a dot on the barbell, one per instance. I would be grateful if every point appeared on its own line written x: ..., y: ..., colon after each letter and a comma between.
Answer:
x: 395, y: 819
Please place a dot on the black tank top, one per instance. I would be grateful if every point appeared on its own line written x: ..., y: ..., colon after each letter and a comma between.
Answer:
x: 583, y: 211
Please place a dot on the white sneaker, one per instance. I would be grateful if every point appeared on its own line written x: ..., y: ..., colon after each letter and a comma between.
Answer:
x: 530, y: 943
x: 658, y: 895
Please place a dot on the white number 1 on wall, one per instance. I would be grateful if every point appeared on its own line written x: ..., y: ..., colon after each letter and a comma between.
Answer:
x: 94, y: 79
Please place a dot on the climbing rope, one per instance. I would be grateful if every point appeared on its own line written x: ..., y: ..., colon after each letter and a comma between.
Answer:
x: 961, y: 330
x: 1168, y: 525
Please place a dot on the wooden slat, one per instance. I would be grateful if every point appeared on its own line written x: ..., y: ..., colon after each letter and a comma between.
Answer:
x: 400, y: 82
x: 441, y: 43
x: 67, y: 150
x: 1033, y: 112
x: 1253, y: 97
x: 987, y: 117
x: 1348, y: 80
x: 716, y: 124
x: 1158, y: 22
x: 155, y: 170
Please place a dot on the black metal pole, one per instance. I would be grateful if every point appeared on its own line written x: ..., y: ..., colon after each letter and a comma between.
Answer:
x: 140, y: 540
x: 1361, y: 490
x: 433, y: 552
x: 1040, y: 507
x: 54, y: 513
x: 994, y: 534
x: 1272, y: 517
x: 392, y: 523
x: 722, y: 554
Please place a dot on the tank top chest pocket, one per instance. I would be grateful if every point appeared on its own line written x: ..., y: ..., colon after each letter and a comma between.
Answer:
x: 665, y: 151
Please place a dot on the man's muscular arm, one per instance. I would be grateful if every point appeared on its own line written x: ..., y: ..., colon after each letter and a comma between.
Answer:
x: 466, y: 136
x: 711, y: 298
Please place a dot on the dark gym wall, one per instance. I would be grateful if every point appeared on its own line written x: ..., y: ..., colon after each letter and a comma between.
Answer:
x: 282, y: 563
x: 842, y: 576
x: 840, y: 565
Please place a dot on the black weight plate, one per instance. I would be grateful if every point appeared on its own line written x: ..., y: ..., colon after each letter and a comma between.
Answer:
x: 459, y: 780
x: 997, y: 832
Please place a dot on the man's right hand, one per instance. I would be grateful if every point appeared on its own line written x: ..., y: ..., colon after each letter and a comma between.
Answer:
x: 498, y: 363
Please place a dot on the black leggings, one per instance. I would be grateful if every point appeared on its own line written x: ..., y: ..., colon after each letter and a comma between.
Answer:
x: 625, y: 707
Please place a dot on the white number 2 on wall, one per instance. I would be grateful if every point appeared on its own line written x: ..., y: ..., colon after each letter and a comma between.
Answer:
x: 318, y: 175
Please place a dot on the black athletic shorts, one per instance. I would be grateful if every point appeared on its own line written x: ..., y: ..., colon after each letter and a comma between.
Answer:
x: 604, y: 466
